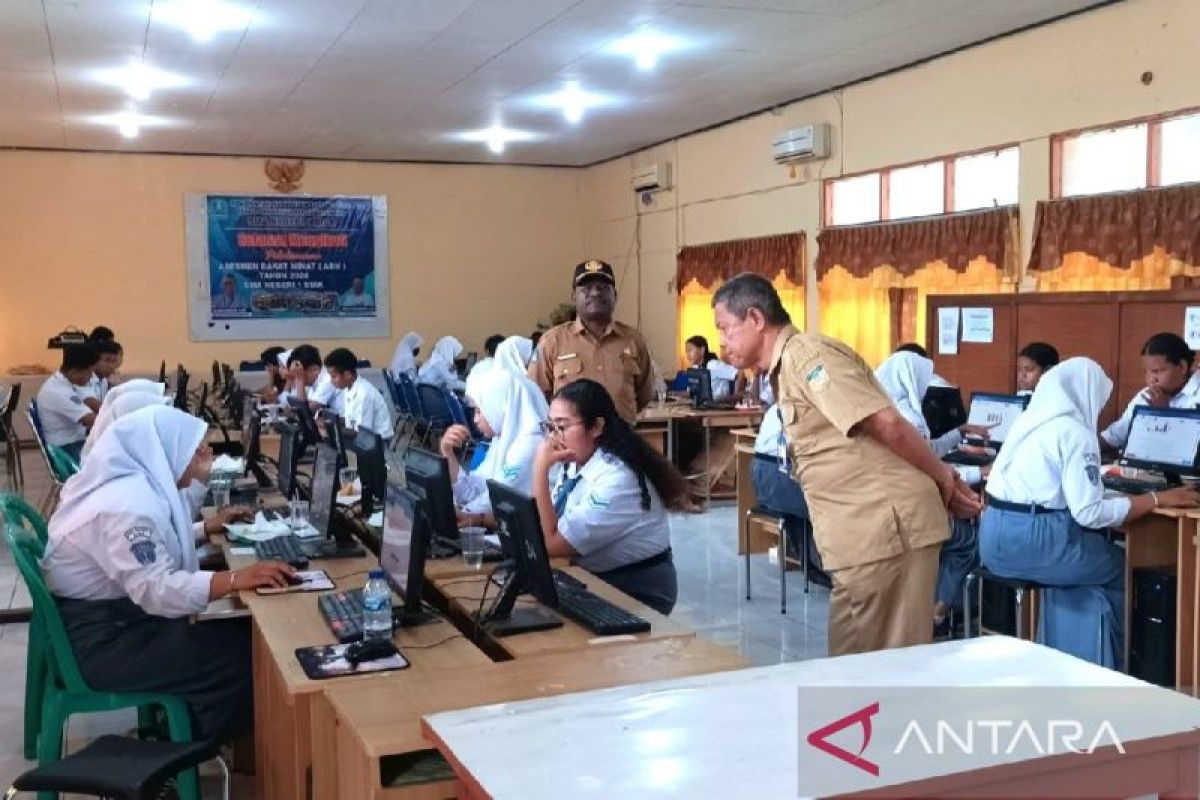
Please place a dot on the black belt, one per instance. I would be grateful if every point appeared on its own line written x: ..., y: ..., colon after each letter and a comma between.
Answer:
x: 645, y: 563
x: 1023, y: 508
x: 776, y: 460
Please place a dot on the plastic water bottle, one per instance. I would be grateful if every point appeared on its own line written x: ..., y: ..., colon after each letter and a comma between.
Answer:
x: 377, y: 607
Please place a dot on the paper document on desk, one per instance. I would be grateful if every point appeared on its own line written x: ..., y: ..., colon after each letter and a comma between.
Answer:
x: 260, y: 530
x: 226, y: 463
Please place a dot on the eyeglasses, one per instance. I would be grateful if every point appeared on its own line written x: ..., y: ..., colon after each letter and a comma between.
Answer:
x: 551, y: 428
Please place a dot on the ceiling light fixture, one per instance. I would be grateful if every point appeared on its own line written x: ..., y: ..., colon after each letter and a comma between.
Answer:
x: 573, y: 101
x: 646, y: 47
x: 129, y: 123
x: 496, y: 137
x: 138, y: 79
x: 203, y: 19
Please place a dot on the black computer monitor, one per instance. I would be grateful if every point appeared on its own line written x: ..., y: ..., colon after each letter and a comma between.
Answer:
x: 216, y: 372
x: 162, y: 372
x: 998, y: 412
x: 289, y: 455
x: 943, y: 409
x: 372, y: 469
x: 402, y: 551
x: 335, y: 434
x: 250, y: 425
x: 517, y: 520
x: 1165, y: 440
x: 306, y: 420
x: 699, y: 382
x: 181, y: 386
x: 322, y: 490
x: 202, y: 409
x: 430, y: 472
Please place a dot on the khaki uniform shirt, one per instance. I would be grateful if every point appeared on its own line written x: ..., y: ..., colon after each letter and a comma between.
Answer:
x: 619, y: 361
x: 867, y: 503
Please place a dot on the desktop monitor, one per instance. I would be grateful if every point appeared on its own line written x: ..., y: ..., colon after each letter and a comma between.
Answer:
x: 202, y: 409
x: 306, y: 420
x: 181, y: 386
x: 431, y: 474
x: 289, y: 455
x: 699, y: 385
x: 998, y: 411
x: 335, y: 434
x: 402, y: 552
x: 216, y: 373
x: 250, y: 425
x: 1165, y: 440
x: 517, y: 520
x: 372, y: 469
x: 162, y: 372
x: 943, y: 410
x: 323, y: 488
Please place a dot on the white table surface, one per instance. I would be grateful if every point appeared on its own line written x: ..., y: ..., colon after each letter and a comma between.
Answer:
x: 736, y: 734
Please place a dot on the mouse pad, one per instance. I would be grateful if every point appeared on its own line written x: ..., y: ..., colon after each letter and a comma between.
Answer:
x: 314, y: 580
x: 327, y: 661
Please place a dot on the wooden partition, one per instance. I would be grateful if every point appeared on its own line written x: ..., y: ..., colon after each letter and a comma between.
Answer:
x: 1108, y: 327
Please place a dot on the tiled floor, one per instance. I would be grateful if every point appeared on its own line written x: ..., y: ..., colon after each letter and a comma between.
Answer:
x: 712, y: 600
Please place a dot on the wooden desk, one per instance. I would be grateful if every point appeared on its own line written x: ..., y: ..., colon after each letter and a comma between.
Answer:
x: 462, y: 595
x: 285, y: 728
x: 735, y: 734
x: 1166, y: 537
x: 372, y: 723
x: 719, y: 419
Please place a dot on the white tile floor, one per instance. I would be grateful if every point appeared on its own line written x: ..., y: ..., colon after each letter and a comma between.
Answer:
x: 712, y: 599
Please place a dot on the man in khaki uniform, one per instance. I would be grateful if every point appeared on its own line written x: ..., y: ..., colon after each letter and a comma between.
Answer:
x: 877, y: 494
x: 596, y: 346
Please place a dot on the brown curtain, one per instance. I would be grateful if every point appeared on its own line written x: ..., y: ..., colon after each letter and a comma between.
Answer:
x: 719, y: 261
x: 956, y: 239
x: 1119, y: 229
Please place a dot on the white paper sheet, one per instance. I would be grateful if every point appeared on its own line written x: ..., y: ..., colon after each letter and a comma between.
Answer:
x: 1191, y: 326
x: 978, y: 325
x: 948, y: 331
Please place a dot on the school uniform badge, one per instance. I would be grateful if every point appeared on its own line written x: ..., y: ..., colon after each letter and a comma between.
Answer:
x: 1093, y: 474
x: 141, y: 544
x: 817, y: 377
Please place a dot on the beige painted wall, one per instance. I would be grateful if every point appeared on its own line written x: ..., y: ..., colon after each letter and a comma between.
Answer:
x: 1080, y: 72
x: 98, y: 238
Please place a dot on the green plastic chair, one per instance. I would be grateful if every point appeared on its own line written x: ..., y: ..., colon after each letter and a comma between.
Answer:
x: 63, y: 462
x: 65, y: 691
x: 17, y: 512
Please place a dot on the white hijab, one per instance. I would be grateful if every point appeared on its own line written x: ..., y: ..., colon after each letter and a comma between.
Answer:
x: 113, y: 408
x: 443, y: 355
x: 514, y: 354
x: 1075, y: 389
x: 403, y: 360
x: 906, y: 377
x: 134, y: 470
x: 514, y: 409
x: 135, y: 386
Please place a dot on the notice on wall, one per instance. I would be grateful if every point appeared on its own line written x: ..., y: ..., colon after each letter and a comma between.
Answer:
x: 948, y: 331
x: 978, y: 325
x: 1191, y: 326
x: 287, y: 267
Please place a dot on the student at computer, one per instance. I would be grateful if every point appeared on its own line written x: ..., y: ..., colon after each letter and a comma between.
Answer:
x: 404, y: 359
x: 489, y: 356
x: 121, y: 560
x: 276, y: 382
x: 65, y: 418
x: 363, y: 405
x: 109, y: 359
x: 1047, y: 507
x: 1032, y: 362
x: 101, y: 333
x: 115, y: 406
x: 308, y: 381
x: 509, y: 411
x: 608, y: 509
x: 1167, y: 363
x: 440, y: 370
x: 726, y: 379
x: 513, y: 356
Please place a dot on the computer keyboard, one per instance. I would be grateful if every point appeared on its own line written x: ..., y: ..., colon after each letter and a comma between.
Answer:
x: 597, y: 614
x: 343, y: 613
x: 966, y: 459
x: 282, y: 548
x: 1117, y: 483
x: 567, y: 581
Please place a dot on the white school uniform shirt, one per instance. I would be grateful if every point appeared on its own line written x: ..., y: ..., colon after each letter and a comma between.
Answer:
x: 60, y: 405
x: 124, y: 529
x: 1051, y: 457
x: 96, y: 388
x: 723, y: 377
x: 1188, y: 397
x: 366, y: 408
x: 770, y: 440
x: 321, y: 391
x: 603, y: 518
x: 439, y: 370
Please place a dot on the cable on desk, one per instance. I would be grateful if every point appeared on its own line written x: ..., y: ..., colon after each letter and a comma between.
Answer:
x: 435, y: 644
x: 348, y: 575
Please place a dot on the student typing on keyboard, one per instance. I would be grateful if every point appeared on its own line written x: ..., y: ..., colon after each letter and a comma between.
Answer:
x: 608, y: 510
x: 1167, y: 362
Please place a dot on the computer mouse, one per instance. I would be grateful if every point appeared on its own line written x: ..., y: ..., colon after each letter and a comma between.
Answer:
x: 294, y: 580
x: 369, y: 650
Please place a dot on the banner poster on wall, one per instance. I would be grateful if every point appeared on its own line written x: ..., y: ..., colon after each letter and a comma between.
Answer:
x: 287, y: 267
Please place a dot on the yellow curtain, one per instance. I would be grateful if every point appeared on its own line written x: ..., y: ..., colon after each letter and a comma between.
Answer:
x: 858, y: 312
x: 1081, y: 272
x: 696, y: 314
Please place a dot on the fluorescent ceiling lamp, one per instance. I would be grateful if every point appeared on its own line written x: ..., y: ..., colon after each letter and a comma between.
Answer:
x: 138, y: 79
x: 646, y: 47
x: 203, y: 19
x: 573, y: 101
x: 129, y: 123
x: 496, y: 137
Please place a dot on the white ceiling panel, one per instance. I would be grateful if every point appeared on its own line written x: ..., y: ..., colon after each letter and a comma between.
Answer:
x: 393, y: 79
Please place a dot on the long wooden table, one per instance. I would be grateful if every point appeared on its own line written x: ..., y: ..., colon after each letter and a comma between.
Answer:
x: 657, y: 421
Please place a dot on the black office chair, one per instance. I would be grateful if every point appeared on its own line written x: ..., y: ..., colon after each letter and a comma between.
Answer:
x: 118, y: 768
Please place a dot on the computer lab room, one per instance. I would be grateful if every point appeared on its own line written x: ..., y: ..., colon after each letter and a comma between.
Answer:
x: 599, y: 398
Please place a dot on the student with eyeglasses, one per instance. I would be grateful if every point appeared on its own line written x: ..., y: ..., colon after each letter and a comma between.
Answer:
x: 608, y: 509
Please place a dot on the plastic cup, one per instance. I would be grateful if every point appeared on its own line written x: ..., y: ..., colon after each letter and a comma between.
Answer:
x: 471, y: 542
x: 298, y: 519
x: 221, y: 490
x: 347, y: 477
